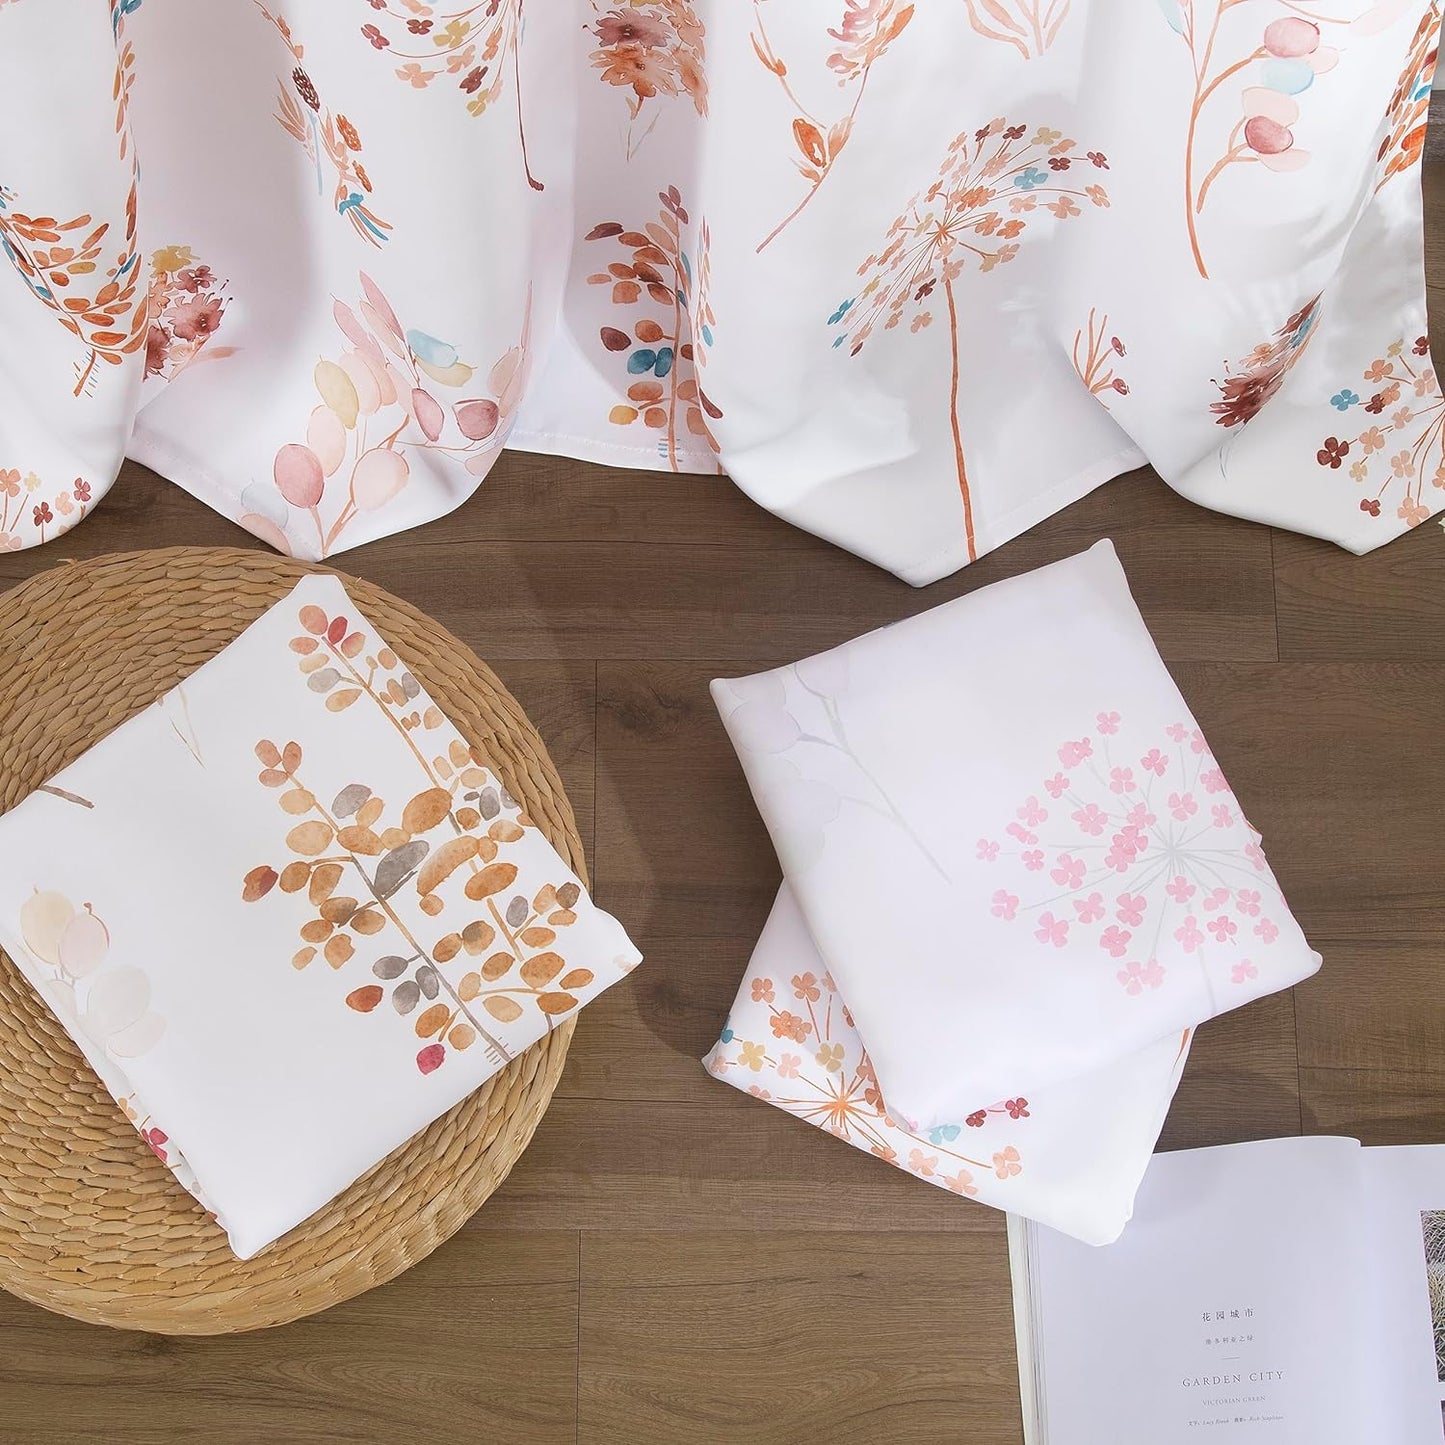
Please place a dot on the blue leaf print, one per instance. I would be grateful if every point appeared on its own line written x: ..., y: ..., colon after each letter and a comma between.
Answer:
x: 663, y: 364
x: 642, y: 360
x: 429, y: 349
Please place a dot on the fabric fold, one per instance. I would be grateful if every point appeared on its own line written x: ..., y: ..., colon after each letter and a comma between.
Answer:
x: 1009, y: 848
x: 290, y: 916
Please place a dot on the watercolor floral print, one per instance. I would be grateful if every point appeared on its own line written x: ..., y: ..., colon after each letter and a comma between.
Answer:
x: 664, y: 349
x: 812, y: 1063
x: 652, y: 48
x: 867, y: 29
x: 492, y: 953
x: 31, y: 512
x: 473, y: 48
x: 1030, y: 26
x: 1409, y: 110
x: 1137, y: 845
x: 1282, y: 61
x: 329, y: 140
x: 994, y: 185
x: 186, y: 305
x: 379, y: 408
x: 1096, y: 355
x: 1246, y: 386
x: 112, y: 1004
x: 1400, y: 452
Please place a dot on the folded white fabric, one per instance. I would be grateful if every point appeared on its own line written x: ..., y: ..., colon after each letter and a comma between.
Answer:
x: 290, y: 917
x: 1005, y: 838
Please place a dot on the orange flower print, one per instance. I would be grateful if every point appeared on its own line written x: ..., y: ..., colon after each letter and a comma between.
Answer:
x: 652, y: 48
x: 790, y: 1026
x: 1400, y: 463
x: 1006, y: 1163
x: 805, y: 986
x: 763, y: 990
x: 954, y: 223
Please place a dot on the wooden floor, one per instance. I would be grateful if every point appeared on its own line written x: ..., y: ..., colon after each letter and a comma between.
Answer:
x: 671, y: 1260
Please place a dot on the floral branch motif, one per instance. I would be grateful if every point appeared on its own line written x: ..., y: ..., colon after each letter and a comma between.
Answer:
x: 1165, y: 829
x: 1289, y: 54
x: 666, y: 355
x: 1096, y: 365
x: 1250, y: 383
x: 377, y: 408
x: 186, y: 304
x: 867, y: 29
x: 1030, y: 26
x: 837, y: 1089
x: 60, y: 511
x: 60, y: 261
x: 999, y: 168
x: 476, y: 43
x: 1409, y: 109
x: 1410, y: 393
x: 320, y: 133
x: 456, y: 825
x: 651, y: 47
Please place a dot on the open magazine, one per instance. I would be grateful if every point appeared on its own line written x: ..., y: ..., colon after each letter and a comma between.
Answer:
x: 1291, y: 1290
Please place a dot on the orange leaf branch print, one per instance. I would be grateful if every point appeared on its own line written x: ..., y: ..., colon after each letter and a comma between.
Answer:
x: 386, y: 853
x: 665, y: 350
x: 1409, y: 109
x: 1030, y: 26
x: 994, y: 185
x: 1095, y: 354
x: 867, y: 29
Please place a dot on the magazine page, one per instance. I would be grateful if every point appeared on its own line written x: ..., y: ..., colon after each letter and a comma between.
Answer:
x: 1226, y: 1312
x: 1406, y: 1198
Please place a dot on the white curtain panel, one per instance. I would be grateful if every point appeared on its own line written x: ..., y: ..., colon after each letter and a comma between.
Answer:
x: 1015, y: 880
x: 916, y: 275
x: 290, y: 917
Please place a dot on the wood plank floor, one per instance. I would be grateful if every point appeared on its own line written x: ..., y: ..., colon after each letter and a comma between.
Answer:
x: 670, y: 1260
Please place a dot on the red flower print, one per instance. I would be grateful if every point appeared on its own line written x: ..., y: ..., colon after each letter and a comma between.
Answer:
x: 81, y: 490
x: 1102, y: 161
x: 43, y: 514
x: 196, y: 320
x: 417, y: 27
x: 1013, y: 132
x: 375, y: 36
x: 1376, y: 404
x: 975, y: 1119
x: 195, y: 278
x: 472, y: 80
x: 158, y: 346
x: 1332, y: 453
x: 1059, y: 163
x: 620, y: 28
x: 305, y: 89
x: 1017, y: 1108
x: 1370, y: 505
x: 671, y: 198
x: 156, y: 1141
x: 1421, y: 346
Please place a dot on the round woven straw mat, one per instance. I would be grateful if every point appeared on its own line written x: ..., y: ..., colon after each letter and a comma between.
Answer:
x: 91, y: 1223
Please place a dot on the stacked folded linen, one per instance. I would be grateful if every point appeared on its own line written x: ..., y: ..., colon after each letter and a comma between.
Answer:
x: 290, y: 917
x: 1007, y: 845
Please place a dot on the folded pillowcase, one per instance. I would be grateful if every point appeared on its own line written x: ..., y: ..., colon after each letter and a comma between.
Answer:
x: 1014, y: 852
x: 290, y: 917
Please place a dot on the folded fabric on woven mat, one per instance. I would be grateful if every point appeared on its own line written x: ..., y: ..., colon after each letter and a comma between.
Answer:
x: 290, y: 917
x: 1007, y: 846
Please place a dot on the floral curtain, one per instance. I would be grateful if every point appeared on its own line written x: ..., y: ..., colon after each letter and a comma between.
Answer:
x: 915, y: 275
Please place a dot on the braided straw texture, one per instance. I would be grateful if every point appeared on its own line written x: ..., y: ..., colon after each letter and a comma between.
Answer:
x: 91, y: 1223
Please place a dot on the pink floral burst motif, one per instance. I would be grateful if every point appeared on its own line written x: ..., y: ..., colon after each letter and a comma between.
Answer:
x: 1400, y: 444
x: 1175, y: 872
x: 867, y: 29
x: 1250, y: 383
x: 831, y: 1083
x: 377, y: 410
x: 1283, y: 59
x: 993, y: 185
x: 1030, y: 26
x: 652, y: 48
x: 186, y: 304
x: 473, y: 47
